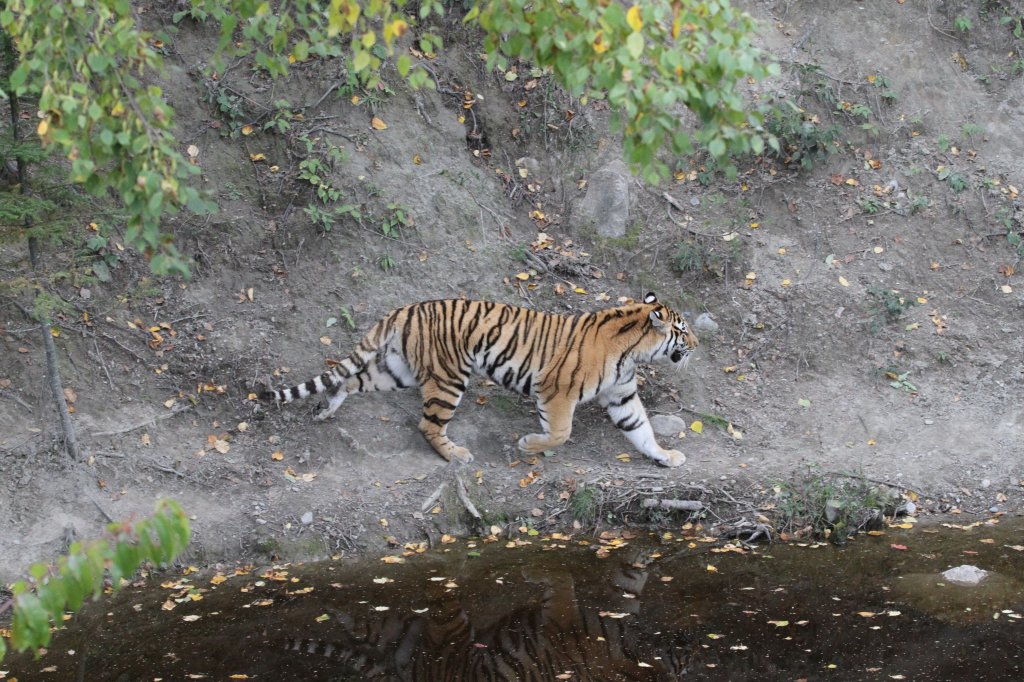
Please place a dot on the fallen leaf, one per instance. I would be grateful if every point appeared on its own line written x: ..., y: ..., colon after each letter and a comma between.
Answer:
x: 378, y: 124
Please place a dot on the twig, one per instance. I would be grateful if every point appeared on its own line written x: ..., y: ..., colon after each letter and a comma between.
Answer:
x: 15, y: 398
x: 147, y: 422
x: 664, y: 503
x: 103, y: 511
x: 434, y: 497
x: 99, y: 358
x: 463, y: 494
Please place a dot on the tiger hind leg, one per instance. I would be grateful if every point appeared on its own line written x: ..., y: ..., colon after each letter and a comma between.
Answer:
x: 440, y: 398
x: 556, y: 418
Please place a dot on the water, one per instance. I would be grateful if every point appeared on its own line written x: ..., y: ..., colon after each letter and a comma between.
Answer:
x: 654, y: 608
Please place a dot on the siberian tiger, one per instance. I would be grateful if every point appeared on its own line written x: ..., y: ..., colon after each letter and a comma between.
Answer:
x: 561, y: 360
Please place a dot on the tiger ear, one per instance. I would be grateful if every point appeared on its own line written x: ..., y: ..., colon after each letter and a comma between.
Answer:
x: 651, y: 298
x: 656, y: 320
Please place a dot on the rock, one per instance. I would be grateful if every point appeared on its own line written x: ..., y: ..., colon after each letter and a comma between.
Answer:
x: 705, y: 323
x: 833, y: 510
x: 668, y: 424
x: 985, y: 483
x: 965, y: 575
x: 307, y: 518
x: 605, y: 206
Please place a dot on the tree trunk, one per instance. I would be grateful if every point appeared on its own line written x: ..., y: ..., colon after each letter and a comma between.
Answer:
x: 45, y: 324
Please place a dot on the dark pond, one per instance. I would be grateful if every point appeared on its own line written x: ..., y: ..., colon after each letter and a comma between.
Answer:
x: 655, y: 607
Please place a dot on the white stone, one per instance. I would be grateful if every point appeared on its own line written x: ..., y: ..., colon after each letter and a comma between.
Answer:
x: 965, y: 575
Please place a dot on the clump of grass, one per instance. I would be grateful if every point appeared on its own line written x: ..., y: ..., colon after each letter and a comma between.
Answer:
x: 831, y: 507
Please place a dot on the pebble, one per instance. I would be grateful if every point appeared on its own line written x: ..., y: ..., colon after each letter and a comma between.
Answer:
x: 994, y: 509
x: 985, y: 483
x: 706, y: 323
x: 929, y: 422
x: 965, y: 575
x: 307, y: 518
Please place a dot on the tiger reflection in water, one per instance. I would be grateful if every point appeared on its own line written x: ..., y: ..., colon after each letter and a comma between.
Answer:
x: 556, y: 633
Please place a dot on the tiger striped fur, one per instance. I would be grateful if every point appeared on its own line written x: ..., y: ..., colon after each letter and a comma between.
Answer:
x: 561, y: 360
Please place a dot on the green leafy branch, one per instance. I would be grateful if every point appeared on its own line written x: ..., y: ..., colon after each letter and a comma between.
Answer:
x: 40, y: 603
x: 85, y: 62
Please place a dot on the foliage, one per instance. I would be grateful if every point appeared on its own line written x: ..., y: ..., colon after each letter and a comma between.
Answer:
x: 90, y: 65
x: 52, y: 590
x: 645, y: 59
x: 801, y: 138
x: 887, y: 306
x: 87, y: 63
x: 830, y: 507
x: 707, y: 255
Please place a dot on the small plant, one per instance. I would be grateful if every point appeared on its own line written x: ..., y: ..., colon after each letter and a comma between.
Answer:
x: 944, y: 143
x: 832, y: 508
x: 346, y: 315
x: 520, y: 252
x: 971, y: 130
x: 898, y: 380
x: 886, y: 306
x: 860, y: 111
x: 957, y: 182
x: 801, y: 139
x: 919, y: 203
x: 870, y: 205
x: 884, y: 86
x: 585, y: 504
x: 105, y: 258
x: 386, y: 262
x: 280, y: 122
x: 396, y: 217
x: 963, y: 24
x: 699, y: 255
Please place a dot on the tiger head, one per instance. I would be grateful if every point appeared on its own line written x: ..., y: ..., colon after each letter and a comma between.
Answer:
x: 678, y: 342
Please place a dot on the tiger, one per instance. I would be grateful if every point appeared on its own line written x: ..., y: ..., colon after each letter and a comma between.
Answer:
x: 559, y: 360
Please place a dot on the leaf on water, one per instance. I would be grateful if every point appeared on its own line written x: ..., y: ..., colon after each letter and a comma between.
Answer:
x: 901, y: 548
x: 191, y: 618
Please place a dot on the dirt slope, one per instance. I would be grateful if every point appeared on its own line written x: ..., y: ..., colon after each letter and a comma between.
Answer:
x: 909, y: 215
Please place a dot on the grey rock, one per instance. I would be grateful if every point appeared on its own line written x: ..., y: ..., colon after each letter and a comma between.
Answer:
x: 985, y: 483
x: 668, y: 424
x: 705, y: 323
x: 605, y: 206
x: 965, y: 575
x: 307, y: 518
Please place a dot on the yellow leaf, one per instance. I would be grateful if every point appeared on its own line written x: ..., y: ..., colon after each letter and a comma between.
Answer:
x: 843, y: 282
x: 779, y: 623
x: 277, y: 455
x: 786, y: 283
x: 523, y: 276
x: 580, y: 290
x: 417, y: 160
x: 633, y: 18
x: 599, y: 45
x: 712, y: 569
x: 697, y: 426
x: 624, y: 457
x: 247, y: 129
x: 44, y: 126
x: 378, y: 124
x: 258, y: 157
x: 355, y: 99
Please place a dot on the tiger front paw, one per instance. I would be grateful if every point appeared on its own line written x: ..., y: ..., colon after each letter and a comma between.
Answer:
x: 672, y: 458
x: 460, y: 454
